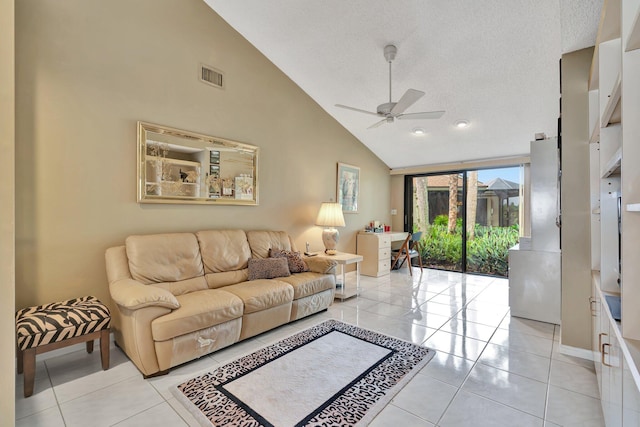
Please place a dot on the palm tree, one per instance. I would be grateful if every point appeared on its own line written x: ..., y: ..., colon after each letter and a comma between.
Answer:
x: 453, y: 202
x: 421, y: 219
x: 472, y: 203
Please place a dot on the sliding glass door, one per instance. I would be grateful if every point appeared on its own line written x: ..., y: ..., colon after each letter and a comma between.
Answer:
x: 469, y: 219
x: 436, y: 213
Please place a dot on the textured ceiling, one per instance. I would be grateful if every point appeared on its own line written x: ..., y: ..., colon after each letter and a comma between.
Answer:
x: 494, y: 63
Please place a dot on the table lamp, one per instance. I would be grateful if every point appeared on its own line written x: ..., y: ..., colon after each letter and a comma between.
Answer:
x: 330, y: 217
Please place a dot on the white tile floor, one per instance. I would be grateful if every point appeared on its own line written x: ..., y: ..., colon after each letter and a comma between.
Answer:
x: 490, y: 369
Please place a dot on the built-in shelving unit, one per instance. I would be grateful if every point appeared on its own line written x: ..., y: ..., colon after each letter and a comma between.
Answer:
x: 612, y: 165
x: 595, y: 135
x: 633, y: 41
x: 608, y: 29
x: 614, y: 111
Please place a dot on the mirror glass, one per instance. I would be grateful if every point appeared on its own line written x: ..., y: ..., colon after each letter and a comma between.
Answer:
x: 177, y: 166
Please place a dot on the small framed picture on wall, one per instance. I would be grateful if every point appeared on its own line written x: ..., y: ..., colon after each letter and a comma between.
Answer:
x: 348, y: 183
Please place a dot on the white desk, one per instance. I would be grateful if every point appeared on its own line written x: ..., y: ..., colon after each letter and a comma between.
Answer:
x: 376, y: 250
x: 343, y: 259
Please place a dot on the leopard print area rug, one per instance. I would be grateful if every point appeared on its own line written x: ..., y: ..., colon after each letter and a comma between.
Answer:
x: 383, y: 366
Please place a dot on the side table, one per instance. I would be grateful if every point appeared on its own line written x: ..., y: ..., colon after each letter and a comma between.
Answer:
x: 342, y: 258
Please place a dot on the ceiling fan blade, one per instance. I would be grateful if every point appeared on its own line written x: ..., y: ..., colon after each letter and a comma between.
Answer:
x: 357, y: 109
x: 424, y: 115
x: 407, y: 100
x: 376, y: 124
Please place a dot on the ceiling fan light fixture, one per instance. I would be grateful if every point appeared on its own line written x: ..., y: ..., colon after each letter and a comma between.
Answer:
x: 461, y: 124
x: 418, y: 131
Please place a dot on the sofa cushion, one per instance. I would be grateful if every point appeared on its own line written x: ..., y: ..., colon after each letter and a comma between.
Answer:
x: 198, y: 310
x: 305, y: 284
x: 268, y: 268
x: 258, y: 295
x: 294, y: 259
x: 218, y: 280
x: 182, y: 287
x: 161, y: 258
x: 261, y: 241
x: 223, y: 250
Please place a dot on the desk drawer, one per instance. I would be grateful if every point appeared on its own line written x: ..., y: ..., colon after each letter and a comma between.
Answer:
x: 384, y: 241
x: 384, y: 253
x: 384, y: 266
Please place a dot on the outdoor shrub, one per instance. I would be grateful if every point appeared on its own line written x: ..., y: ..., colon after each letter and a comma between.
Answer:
x: 486, y: 253
x: 441, y: 220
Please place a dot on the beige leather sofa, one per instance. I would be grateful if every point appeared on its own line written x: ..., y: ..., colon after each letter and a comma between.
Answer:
x: 179, y: 296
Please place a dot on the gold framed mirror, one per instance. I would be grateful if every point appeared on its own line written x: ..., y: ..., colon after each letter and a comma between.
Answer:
x: 178, y: 166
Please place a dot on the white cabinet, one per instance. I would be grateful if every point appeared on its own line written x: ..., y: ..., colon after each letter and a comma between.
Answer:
x: 607, y: 359
x: 616, y: 361
x: 534, y: 285
x: 611, y: 371
x: 596, y: 328
x: 630, y: 399
x: 376, y: 250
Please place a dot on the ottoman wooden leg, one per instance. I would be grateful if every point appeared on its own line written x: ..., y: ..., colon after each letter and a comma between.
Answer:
x: 19, y: 355
x: 90, y: 346
x: 104, y: 348
x: 29, y: 365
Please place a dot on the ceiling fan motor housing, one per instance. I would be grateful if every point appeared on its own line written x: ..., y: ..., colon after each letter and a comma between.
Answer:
x: 390, y: 52
x: 385, y: 109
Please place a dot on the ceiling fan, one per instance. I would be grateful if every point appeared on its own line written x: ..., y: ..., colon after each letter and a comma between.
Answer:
x: 395, y: 110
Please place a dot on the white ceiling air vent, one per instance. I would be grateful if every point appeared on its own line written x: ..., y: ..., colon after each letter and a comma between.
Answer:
x: 211, y: 76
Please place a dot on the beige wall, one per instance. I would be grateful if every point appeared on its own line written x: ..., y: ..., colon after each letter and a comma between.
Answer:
x: 7, y: 216
x: 397, y: 202
x: 576, y: 212
x: 88, y: 70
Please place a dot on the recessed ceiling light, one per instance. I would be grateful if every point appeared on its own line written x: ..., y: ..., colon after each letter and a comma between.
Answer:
x: 461, y: 124
x: 418, y: 131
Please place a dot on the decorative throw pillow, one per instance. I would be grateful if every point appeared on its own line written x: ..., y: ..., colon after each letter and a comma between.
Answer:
x: 268, y: 268
x: 296, y: 263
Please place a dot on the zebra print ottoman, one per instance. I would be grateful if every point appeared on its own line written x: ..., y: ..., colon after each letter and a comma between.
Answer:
x: 48, y: 327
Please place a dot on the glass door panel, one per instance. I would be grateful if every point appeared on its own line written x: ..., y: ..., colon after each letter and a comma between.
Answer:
x: 492, y: 214
x: 468, y: 219
x: 437, y: 213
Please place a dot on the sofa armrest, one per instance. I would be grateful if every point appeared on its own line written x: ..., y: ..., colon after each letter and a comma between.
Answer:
x: 134, y: 295
x: 320, y: 265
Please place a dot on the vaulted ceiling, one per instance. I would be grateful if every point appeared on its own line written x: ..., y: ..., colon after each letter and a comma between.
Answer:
x: 492, y: 63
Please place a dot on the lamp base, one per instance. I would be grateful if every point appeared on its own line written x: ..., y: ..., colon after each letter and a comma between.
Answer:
x: 330, y: 238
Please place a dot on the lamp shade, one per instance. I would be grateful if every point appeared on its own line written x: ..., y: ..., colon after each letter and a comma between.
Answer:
x: 330, y: 215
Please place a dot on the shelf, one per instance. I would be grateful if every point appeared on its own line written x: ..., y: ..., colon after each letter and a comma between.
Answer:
x: 595, y: 135
x: 633, y: 41
x: 612, y: 111
x: 171, y: 182
x: 613, y: 165
x: 632, y: 207
x: 608, y: 29
x: 172, y: 161
x: 596, y: 211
